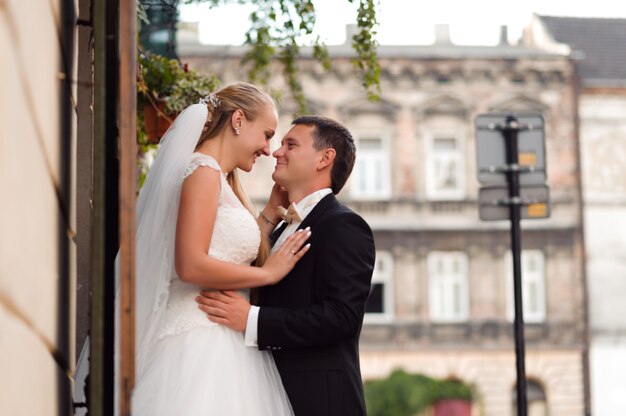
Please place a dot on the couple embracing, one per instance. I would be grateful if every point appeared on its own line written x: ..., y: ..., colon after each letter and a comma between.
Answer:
x: 202, y: 348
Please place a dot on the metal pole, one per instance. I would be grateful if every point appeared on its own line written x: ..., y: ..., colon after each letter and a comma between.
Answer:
x: 510, y: 135
x: 105, y: 210
x: 127, y: 187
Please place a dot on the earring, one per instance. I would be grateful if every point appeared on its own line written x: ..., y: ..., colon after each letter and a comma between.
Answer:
x: 237, y: 131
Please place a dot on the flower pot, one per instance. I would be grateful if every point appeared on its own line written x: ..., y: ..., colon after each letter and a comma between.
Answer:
x: 452, y: 407
x: 156, y: 122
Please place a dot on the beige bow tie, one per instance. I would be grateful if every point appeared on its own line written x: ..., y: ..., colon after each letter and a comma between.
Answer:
x: 291, y: 214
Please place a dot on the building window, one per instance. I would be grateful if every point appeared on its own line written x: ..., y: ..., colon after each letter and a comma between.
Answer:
x: 445, y: 168
x: 533, y: 286
x: 380, y: 307
x: 536, y: 398
x: 370, y: 180
x: 448, y: 286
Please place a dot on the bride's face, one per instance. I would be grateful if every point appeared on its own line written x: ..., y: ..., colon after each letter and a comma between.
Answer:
x: 255, y: 136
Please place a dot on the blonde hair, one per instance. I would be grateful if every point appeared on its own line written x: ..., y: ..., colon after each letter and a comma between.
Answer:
x: 251, y: 100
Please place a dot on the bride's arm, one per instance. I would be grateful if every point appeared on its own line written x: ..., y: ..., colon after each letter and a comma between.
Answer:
x: 269, y: 217
x: 196, y: 219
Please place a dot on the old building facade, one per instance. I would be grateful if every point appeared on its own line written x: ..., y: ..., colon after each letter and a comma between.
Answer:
x: 600, y: 49
x: 441, y: 302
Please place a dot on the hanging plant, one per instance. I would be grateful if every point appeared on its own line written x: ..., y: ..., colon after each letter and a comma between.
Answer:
x: 165, y: 87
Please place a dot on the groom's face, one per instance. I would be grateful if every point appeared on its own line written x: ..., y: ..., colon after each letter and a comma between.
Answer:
x: 296, y: 158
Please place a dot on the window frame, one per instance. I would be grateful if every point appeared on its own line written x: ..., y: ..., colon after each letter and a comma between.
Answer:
x: 387, y: 280
x: 534, y: 317
x: 431, y: 191
x: 383, y: 194
x: 441, y: 313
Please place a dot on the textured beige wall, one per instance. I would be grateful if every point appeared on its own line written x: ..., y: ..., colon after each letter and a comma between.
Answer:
x: 29, y: 209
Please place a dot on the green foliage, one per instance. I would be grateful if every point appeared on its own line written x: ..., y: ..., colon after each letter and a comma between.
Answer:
x: 164, y: 79
x: 365, y: 45
x: 404, y: 394
x: 400, y: 394
x: 145, y: 157
x: 276, y: 27
x: 452, y: 389
x: 142, y: 15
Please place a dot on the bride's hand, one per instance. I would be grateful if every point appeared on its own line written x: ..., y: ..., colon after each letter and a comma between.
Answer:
x: 282, y: 260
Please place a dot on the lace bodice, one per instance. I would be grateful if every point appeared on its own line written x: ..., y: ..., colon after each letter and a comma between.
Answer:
x: 236, y: 238
x: 236, y: 235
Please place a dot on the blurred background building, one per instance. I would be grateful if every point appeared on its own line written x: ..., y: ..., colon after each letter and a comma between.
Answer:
x: 598, y: 47
x: 442, y: 298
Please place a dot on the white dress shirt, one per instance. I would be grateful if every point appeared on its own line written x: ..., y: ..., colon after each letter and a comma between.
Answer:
x: 305, y: 206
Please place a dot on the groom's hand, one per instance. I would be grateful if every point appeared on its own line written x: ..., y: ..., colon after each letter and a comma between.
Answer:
x: 226, y: 308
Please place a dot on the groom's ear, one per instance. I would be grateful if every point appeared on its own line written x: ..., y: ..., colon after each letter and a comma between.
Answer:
x: 327, y: 159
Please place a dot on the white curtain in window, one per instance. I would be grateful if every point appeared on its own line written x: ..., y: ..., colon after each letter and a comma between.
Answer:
x: 533, y: 286
x: 445, y: 168
x: 371, y: 174
x: 448, y: 283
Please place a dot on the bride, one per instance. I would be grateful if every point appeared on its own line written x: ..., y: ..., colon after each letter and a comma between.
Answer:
x: 193, y: 204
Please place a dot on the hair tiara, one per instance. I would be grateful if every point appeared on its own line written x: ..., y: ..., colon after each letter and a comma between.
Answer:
x: 210, y: 99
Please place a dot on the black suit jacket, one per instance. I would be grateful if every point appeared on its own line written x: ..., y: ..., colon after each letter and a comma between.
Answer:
x: 312, y: 319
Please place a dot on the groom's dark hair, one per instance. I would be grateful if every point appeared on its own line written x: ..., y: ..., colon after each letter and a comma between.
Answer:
x: 329, y: 133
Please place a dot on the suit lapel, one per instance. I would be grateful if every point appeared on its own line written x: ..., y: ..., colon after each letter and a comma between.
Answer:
x: 276, y: 233
x: 325, y: 203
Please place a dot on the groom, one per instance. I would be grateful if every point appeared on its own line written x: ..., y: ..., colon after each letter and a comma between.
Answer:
x: 312, y: 319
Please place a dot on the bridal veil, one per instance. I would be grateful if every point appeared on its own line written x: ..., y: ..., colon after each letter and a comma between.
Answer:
x: 157, y: 209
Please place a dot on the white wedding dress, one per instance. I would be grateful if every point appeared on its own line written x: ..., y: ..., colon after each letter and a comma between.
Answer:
x: 197, y: 367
